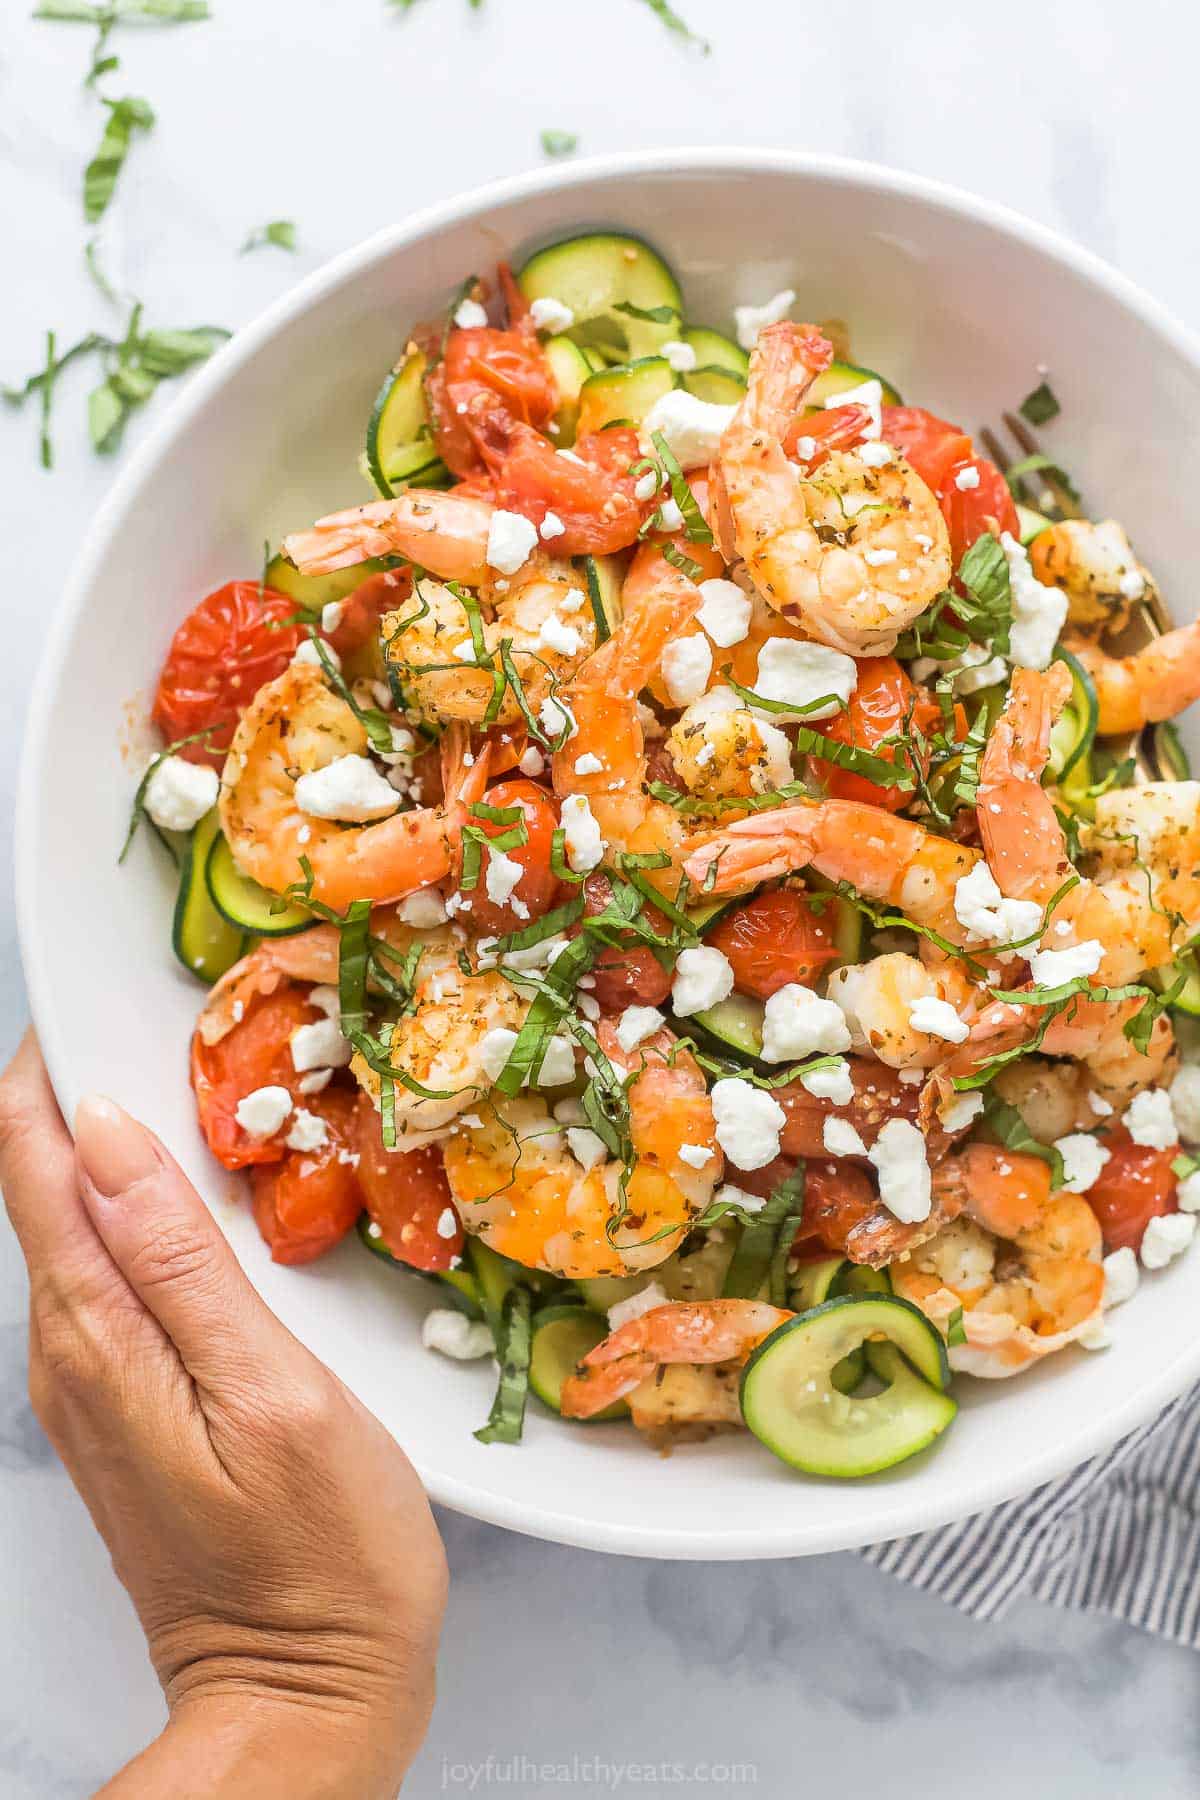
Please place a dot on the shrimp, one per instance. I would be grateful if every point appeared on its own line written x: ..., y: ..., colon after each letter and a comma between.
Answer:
x: 738, y: 660
x: 1137, y: 911
x: 274, y: 963
x: 1028, y: 1283
x: 296, y: 724
x: 886, y: 858
x: 444, y: 533
x: 1095, y: 566
x: 1153, y: 683
x: 529, y: 1196
x: 602, y: 701
x: 540, y: 612
x: 704, y: 1331
x: 856, y: 551
x: 877, y: 998
x: 720, y: 748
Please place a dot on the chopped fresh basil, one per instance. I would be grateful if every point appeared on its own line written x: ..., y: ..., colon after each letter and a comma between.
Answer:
x: 1041, y: 405
x: 955, y: 1331
x: 1007, y: 1124
x: 280, y: 232
x: 755, y: 1259
x: 559, y: 143
x: 681, y: 29
x: 513, y: 1348
x: 100, y: 177
x: 651, y: 315
x: 695, y: 525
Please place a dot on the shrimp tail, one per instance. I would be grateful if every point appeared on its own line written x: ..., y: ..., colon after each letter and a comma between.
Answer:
x: 763, y: 847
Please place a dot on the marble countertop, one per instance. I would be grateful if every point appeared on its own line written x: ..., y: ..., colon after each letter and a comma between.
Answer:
x: 824, y: 1671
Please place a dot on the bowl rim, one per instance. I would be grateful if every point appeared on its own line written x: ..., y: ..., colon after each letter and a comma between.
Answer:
x: 737, y: 1541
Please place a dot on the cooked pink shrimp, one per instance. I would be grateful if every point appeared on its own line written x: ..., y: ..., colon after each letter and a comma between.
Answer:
x: 701, y: 1331
x: 274, y: 963
x: 657, y: 600
x: 1027, y: 1283
x: 885, y: 857
x: 1153, y: 683
x: 444, y: 533
x: 1137, y: 913
x: 853, y: 552
x: 294, y: 725
x: 525, y: 1192
x: 1094, y: 564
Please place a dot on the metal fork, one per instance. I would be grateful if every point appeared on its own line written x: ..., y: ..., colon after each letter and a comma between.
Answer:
x: 1148, y: 618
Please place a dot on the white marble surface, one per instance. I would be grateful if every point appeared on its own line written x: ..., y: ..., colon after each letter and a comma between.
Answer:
x: 820, y: 1674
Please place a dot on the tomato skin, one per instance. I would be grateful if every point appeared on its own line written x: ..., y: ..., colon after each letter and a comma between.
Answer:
x: 931, y: 445
x: 364, y: 607
x: 255, y: 1053
x: 406, y: 1193
x: 307, y: 1203
x: 1135, y: 1185
x: 629, y: 974
x: 487, y: 372
x: 879, y: 706
x: 969, y: 512
x: 229, y: 646
x: 593, y: 496
x: 537, y: 888
x: 837, y: 1197
x: 775, y: 938
x: 838, y: 428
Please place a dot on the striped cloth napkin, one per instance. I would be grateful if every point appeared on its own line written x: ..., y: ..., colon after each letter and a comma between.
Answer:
x: 1120, y: 1534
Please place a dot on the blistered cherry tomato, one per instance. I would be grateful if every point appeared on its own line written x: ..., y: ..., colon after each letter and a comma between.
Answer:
x: 590, y: 493
x: 485, y: 373
x: 228, y: 647
x: 628, y: 974
x: 407, y: 1196
x: 255, y: 1053
x: 307, y: 1203
x: 931, y: 445
x: 364, y: 607
x: 537, y: 889
x: 972, y: 510
x: 1135, y: 1185
x: 775, y: 938
x: 884, y: 702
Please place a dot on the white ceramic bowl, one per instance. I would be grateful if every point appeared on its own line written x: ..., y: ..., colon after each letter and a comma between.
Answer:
x: 958, y: 301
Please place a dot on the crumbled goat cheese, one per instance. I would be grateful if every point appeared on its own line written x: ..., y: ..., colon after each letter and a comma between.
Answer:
x: 558, y: 1063
x: 1149, y: 1119
x: 469, y: 315
x: 581, y: 834
x: 695, y: 1155
x: 703, y: 976
x: 967, y: 478
x: 937, y: 1018
x: 308, y: 1131
x: 447, y: 1225
x: 692, y: 428
x: 450, y: 1332
x: 1083, y: 1158
x: 644, y: 1301
x: 261, y: 1113
x: 637, y: 1023
x: 307, y: 653
x: 1039, y: 613
x: 551, y: 527
x: 797, y: 1022
x: 1187, y: 1194
x: 1120, y: 1277
x: 319, y: 1046
x: 1132, y: 584
x: 326, y: 1000
x: 834, y: 1082
x: 587, y: 1148
x: 686, y: 668
x: 796, y: 672
x: 495, y: 1048
x: 179, y: 793
x: 349, y: 788
x: 315, y: 1081
x: 464, y: 651
x: 876, y: 456
x: 331, y: 618
x: 502, y: 875
x: 1185, y: 1103
x: 532, y: 762
x: 588, y: 764
x: 748, y: 1122
x: 554, y: 718
x: 646, y: 486
x: 986, y: 915
x: 549, y: 314
x: 724, y: 611
x: 556, y: 634
x: 422, y: 910
x: 730, y: 1195
x: 572, y: 601
x: 1050, y: 968
x: 962, y: 1112
x: 905, y: 1187
x: 510, y: 539
x: 749, y: 320
x: 1166, y: 1237
x: 840, y: 1138
x: 681, y: 357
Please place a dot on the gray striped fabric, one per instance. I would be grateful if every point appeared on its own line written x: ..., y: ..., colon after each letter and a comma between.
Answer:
x: 1120, y: 1534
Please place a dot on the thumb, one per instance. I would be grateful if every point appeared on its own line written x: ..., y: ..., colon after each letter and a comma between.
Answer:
x: 165, y: 1242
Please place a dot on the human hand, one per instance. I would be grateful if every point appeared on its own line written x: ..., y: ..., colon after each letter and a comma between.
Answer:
x: 274, y: 1539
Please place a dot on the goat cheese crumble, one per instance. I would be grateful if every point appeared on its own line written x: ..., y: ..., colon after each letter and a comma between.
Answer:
x: 350, y: 788
x: 1150, y: 1120
x: 748, y: 321
x: 581, y: 834
x: 549, y: 314
x: 179, y: 793
x: 703, y: 976
x: 748, y: 1122
x: 686, y: 668
x: 693, y: 428
x: 797, y: 1022
x: 510, y: 540
x: 262, y: 1112
x: 452, y: 1334
x: 797, y: 673
x: 1083, y: 1158
x: 900, y: 1160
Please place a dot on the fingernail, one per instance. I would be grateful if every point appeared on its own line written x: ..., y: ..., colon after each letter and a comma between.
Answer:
x: 113, y: 1149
